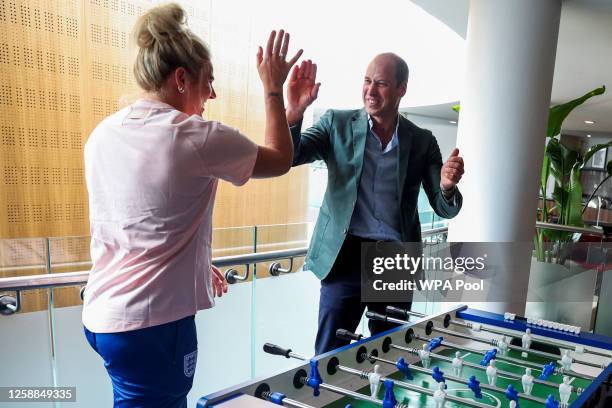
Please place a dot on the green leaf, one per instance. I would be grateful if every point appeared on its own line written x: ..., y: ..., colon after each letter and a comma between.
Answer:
x: 561, y: 196
x: 574, y: 203
x: 562, y: 160
x: 558, y: 113
x: 545, y: 171
x: 457, y: 108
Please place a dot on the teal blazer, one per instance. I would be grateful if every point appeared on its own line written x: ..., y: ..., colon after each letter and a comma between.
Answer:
x: 338, y: 138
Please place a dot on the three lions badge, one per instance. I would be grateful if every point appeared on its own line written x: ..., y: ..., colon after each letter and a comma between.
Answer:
x: 189, y: 363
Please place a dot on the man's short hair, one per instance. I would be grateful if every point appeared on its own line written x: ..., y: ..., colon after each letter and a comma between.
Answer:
x: 401, y: 70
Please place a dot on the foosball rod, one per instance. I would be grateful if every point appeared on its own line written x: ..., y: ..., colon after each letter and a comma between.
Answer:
x: 495, y: 342
x: 378, y: 316
x: 285, y: 402
x: 407, y: 313
x: 516, y: 361
x: 519, y: 363
x: 462, y: 380
x: 288, y: 353
x: 347, y: 335
x: 476, y: 366
x: 412, y: 387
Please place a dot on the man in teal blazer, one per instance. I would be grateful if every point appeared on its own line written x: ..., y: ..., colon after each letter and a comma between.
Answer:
x: 376, y: 161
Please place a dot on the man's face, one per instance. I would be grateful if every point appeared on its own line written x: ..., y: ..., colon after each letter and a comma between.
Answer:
x: 381, y: 93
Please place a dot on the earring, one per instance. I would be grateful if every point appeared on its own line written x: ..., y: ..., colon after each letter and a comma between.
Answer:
x: 181, y: 89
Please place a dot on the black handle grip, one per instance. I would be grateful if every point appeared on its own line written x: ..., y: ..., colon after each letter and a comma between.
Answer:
x: 276, y: 350
x: 347, y: 335
x: 376, y: 316
x: 396, y: 311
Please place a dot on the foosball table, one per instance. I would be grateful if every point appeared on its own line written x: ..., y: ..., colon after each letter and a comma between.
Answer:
x: 459, y: 358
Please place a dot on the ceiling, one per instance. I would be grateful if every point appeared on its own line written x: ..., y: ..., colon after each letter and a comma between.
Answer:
x: 584, y: 60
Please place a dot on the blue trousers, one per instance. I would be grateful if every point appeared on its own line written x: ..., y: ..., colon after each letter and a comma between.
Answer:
x: 340, y: 305
x: 151, y: 367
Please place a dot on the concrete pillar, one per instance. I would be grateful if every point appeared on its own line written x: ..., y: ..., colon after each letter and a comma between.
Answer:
x: 511, y: 47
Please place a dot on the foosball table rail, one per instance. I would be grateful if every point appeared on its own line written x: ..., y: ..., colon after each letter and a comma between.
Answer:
x: 345, y: 371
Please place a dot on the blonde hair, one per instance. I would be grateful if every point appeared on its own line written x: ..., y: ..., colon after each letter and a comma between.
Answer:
x: 165, y: 43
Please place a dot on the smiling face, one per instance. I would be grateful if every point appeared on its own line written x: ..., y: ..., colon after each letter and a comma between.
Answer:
x: 381, y: 92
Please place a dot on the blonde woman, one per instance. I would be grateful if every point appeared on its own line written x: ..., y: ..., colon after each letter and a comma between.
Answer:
x: 152, y: 171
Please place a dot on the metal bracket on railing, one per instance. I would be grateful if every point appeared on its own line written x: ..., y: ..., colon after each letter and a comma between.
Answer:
x: 232, y: 276
x: 9, y: 304
x: 276, y: 268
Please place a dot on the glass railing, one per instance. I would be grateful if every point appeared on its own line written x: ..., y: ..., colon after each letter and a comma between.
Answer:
x: 44, y: 344
x: 44, y: 341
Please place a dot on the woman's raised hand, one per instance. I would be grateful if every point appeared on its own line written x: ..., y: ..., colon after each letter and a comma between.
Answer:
x: 272, y: 64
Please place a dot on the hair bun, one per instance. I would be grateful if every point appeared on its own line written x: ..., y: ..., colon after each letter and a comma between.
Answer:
x: 160, y: 24
x: 165, y: 43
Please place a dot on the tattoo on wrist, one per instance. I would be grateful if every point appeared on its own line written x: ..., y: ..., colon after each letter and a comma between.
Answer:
x: 275, y: 94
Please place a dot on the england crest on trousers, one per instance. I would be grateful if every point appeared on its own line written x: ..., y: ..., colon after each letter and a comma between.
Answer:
x: 190, y: 363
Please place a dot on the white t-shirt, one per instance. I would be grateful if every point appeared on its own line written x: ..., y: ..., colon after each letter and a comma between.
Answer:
x: 152, y: 175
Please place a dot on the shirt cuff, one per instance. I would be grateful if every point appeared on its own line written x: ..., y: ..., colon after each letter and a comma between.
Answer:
x: 452, y: 199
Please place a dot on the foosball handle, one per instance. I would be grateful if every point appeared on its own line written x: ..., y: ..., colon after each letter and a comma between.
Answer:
x: 392, y: 310
x: 276, y: 350
x: 344, y: 334
x: 376, y: 316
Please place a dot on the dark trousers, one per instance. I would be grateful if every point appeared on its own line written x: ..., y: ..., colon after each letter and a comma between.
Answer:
x: 151, y: 367
x: 340, y: 305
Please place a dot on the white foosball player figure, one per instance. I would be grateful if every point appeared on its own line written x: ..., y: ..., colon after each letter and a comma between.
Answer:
x: 565, y: 390
x: 374, y: 378
x: 527, y: 381
x: 439, y: 395
x: 457, y: 364
x: 503, y: 346
x: 566, y: 361
x: 492, y: 373
x: 424, y: 356
x: 526, y: 341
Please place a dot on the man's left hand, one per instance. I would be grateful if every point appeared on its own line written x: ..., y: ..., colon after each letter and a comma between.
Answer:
x: 452, y: 170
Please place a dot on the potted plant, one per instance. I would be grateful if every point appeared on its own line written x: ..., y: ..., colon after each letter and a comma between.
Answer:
x: 564, y: 165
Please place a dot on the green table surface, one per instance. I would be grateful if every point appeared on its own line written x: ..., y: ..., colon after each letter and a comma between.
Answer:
x: 495, y: 399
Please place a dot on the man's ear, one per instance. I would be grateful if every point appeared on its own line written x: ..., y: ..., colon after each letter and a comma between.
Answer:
x: 403, y: 88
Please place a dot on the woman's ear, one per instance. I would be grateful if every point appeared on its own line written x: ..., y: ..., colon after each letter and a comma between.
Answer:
x: 179, y: 78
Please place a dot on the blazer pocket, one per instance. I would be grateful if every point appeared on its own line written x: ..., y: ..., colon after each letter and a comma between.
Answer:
x: 318, y: 235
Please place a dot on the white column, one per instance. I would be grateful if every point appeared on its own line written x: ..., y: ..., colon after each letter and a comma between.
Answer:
x: 511, y: 47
